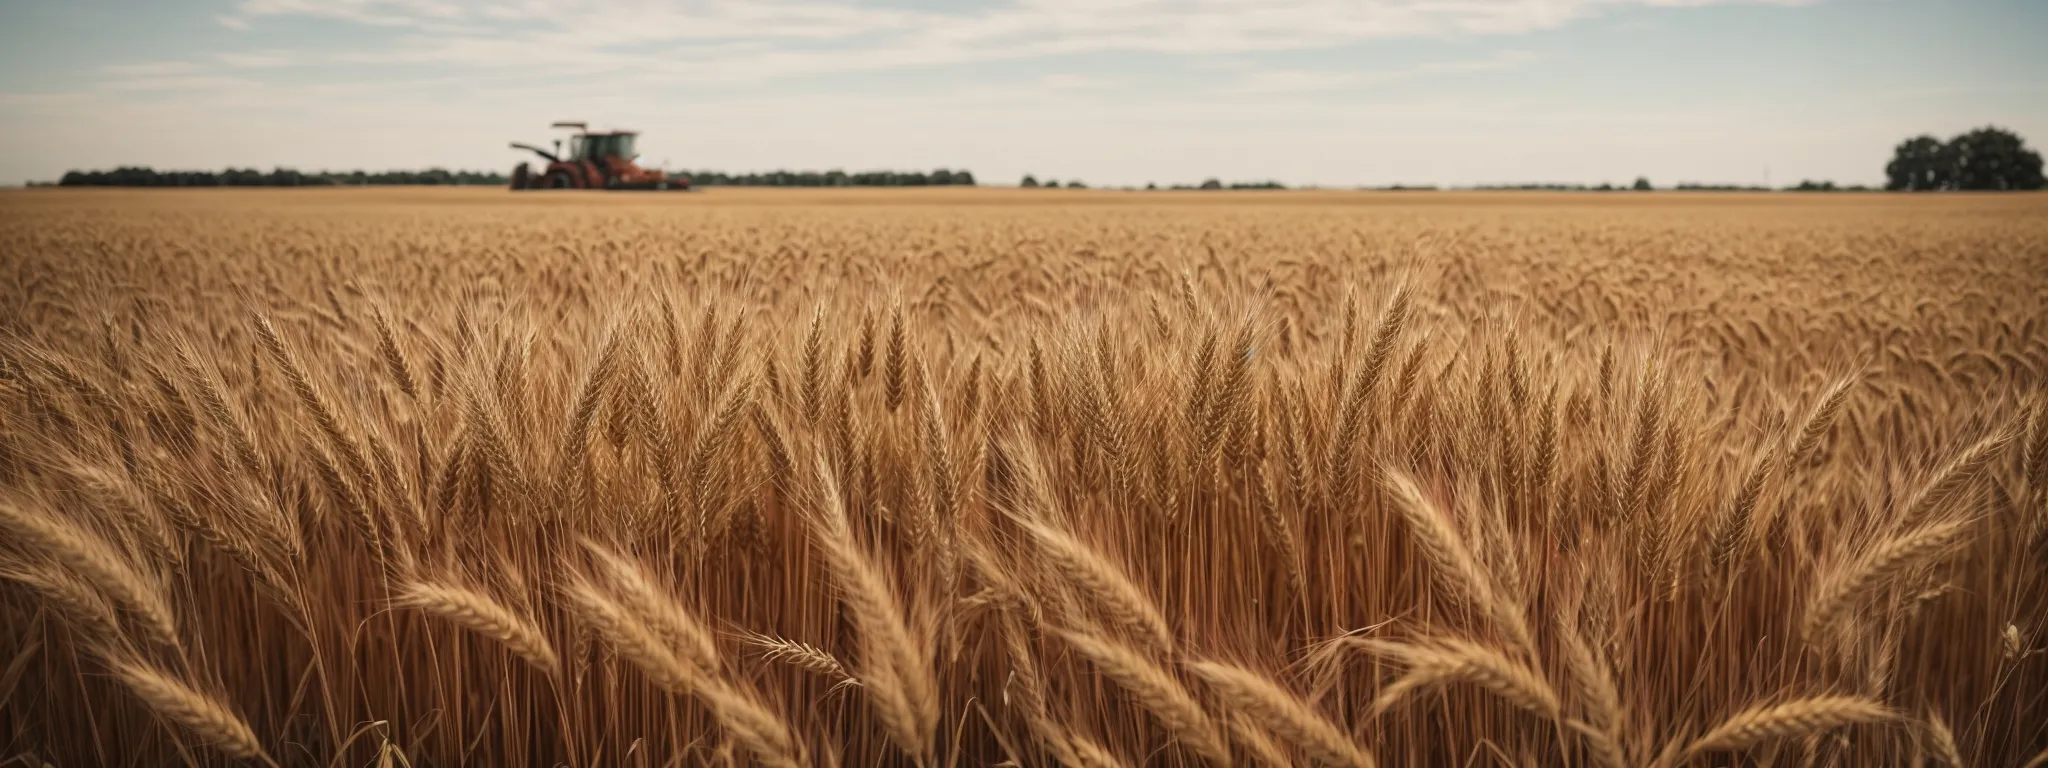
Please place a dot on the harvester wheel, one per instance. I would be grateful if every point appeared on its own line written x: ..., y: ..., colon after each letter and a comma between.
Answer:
x: 559, y: 180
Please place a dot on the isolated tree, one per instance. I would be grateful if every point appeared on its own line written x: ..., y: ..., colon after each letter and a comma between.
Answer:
x: 1991, y: 158
x: 1212, y: 184
x: 1642, y: 184
x: 1029, y: 181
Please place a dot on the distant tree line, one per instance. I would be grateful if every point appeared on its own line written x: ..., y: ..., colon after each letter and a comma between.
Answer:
x: 834, y: 178
x: 1642, y: 185
x: 1987, y: 158
x: 1031, y: 182
x: 144, y: 176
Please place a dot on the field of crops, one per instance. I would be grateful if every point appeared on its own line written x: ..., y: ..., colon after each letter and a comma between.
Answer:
x: 1034, y: 478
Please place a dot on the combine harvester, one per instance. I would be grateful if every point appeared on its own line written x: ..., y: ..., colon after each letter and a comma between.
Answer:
x: 603, y: 160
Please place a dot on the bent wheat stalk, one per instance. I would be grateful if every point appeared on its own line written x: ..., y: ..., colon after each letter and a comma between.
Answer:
x: 1839, y: 588
x: 1282, y: 712
x: 203, y: 715
x: 484, y: 615
x: 1801, y: 717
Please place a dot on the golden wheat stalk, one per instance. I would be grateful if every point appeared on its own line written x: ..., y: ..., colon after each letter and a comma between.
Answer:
x: 1282, y: 712
x: 750, y: 723
x: 1598, y: 697
x: 1839, y: 587
x: 97, y: 563
x: 1801, y: 717
x: 1156, y: 690
x: 1454, y: 565
x: 203, y: 715
x: 1121, y: 600
x: 480, y: 613
x: 1444, y: 660
x: 1736, y: 530
x: 1952, y: 476
x: 1821, y: 418
x: 895, y: 668
x: 1944, y: 742
x: 680, y: 631
x: 76, y: 601
x: 804, y: 656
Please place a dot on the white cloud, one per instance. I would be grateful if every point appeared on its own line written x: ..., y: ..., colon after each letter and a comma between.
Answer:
x: 266, y: 59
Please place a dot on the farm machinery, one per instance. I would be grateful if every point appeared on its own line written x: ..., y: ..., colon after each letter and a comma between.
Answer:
x: 595, y: 160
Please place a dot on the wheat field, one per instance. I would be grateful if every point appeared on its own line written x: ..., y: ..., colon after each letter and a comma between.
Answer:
x: 1032, y: 478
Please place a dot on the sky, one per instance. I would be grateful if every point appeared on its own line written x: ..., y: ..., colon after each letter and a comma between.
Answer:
x: 1111, y: 92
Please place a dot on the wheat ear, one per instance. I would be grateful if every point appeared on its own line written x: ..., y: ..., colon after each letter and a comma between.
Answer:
x: 1283, y: 713
x: 173, y: 700
x: 1841, y: 586
x: 1593, y: 682
x: 1953, y: 475
x: 652, y: 604
x: 1123, y: 601
x: 91, y: 558
x: 804, y: 656
x: 750, y: 724
x: 1760, y: 724
x: 1822, y: 417
x: 1442, y: 661
x: 480, y: 613
x: 1944, y: 742
x: 1453, y: 561
x: 1155, y: 689
x: 895, y: 670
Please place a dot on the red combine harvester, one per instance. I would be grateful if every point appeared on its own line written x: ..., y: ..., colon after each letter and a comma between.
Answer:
x: 602, y: 160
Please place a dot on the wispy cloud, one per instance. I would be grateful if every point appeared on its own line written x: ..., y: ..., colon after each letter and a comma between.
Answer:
x: 1073, y: 82
x: 150, y: 68
x: 179, y: 83
x: 1304, y: 81
x: 383, y: 13
x: 266, y: 59
x: 695, y: 40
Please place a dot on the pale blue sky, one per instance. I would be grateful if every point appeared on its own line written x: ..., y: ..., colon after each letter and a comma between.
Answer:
x: 1110, y: 91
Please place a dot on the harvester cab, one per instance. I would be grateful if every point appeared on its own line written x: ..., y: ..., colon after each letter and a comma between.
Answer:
x: 595, y: 160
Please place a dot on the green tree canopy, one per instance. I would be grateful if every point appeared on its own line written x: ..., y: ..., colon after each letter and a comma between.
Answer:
x: 1987, y: 159
x: 1916, y: 165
